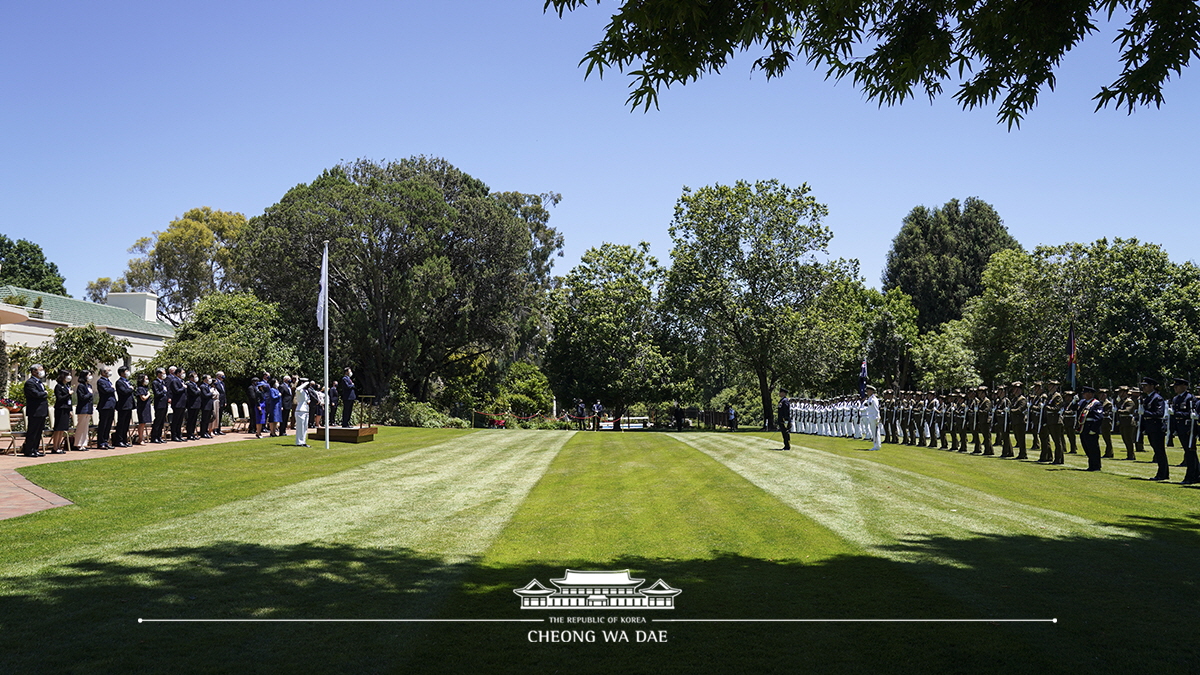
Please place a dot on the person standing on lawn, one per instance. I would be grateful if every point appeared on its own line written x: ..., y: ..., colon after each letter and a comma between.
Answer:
x: 784, y: 415
x: 285, y: 402
x: 107, y: 405
x: 83, y: 409
x: 222, y: 402
x: 62, y: 413
x: 348, y: 391
x: 161, y: 400
x: 145, y: 407
x: 1154, y: 417
x: 1091, y: 419
x: 301, y: 409
x: 1183, y: 406
x: 36, y: 411
x: 124, y: 389
x: 178, y: 393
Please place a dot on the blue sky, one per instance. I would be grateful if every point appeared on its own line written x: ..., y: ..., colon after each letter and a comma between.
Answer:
x: 118, y: 117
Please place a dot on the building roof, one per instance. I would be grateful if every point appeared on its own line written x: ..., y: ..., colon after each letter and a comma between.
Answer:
x: 535, y: 589
x: 661, y: 588
x: 597, y: 578
x: 81, y: 312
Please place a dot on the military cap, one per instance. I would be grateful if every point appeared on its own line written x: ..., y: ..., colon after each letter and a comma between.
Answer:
x: 1085, y: 389
x: 1181, y: 381
x: 1017, y: 384
x: 982, y: 387
x: 870, y: 387
x: 1149, y: 380
x: 1037, y: 383
x: 1054, y: 382
x: 1124, y: 387
x: 1102, y: 390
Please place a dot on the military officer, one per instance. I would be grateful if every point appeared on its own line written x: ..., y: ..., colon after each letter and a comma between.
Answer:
x: 1037, y: 415
x: 1000, y: 410
x: 784, y: 413
x: 1071, y: 417
x: 966, y: 400
x: 1183, y: 405
x: 1127, y: 409
x: 1106, y: 428
x: 1017, y: 412
x: 953, y: 420
x: 1091, y: 419
x: 983, y: 422
x: 1052, y: 427
x: 1153, y: 423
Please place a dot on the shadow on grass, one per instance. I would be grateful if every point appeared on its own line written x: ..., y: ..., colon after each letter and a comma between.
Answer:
x: 1123, y: 605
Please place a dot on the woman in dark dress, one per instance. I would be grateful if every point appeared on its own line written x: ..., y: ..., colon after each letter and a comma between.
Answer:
x: 205, y: 406
x: 144, y: 402
x: 274, y: 406
x: 83, y: 409
x: 194, y: 401
x: 62, y: 413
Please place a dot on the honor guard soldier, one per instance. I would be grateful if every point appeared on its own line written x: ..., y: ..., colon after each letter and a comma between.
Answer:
x: 1071, y: 417
x: 1052, y: 429
x: 1153, y: 424
x: 1091, y: 419
x: 956, y: 427
x: 1183, y: 420
x: 983, y: 422
x: 1037, y: 415
x: 1018, y: 410
x: 1000, y: 423
x: 1106, y: 428
x: 1127, y: 410
x: 966, y: 400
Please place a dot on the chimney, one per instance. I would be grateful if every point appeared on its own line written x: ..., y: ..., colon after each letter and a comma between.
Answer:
x: 144, y: 305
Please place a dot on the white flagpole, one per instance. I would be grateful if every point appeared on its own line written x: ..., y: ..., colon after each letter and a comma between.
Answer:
x: 325, y: 316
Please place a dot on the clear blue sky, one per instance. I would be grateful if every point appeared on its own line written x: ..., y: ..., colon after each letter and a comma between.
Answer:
x: 117, y: 117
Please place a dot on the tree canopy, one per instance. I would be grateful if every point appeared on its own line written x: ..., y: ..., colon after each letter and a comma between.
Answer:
x: 80, y: 347
x: 993, y: 49
x: 939, y: 255
x: 24, y: 264
x: 428, y: 268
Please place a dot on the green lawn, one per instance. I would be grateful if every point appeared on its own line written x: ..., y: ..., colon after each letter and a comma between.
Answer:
x: 445, y: 524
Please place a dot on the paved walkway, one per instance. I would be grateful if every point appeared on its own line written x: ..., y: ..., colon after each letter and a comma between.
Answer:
x: 20, y: 496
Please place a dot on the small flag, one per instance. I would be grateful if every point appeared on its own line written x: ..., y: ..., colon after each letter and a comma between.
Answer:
x: 1071, y: 355
x: 862, y: 380
x: 323, y: 297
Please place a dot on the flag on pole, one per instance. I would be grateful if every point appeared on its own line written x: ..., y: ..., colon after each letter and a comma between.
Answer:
x: 323, y: 297
x: 1071, y: 355
x: 862, y: 380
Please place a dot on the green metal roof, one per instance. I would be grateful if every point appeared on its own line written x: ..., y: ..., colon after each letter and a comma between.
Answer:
x: 80, y: 312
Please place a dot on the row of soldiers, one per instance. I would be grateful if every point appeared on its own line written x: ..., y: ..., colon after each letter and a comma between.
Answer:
x: 978, y: 421
x: 843, y: 416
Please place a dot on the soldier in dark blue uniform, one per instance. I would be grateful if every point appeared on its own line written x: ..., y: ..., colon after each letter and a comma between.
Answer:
x: 1154, y: 421
x: 1183, y: 407
x: 1091, y: 419
x: 784, y: 413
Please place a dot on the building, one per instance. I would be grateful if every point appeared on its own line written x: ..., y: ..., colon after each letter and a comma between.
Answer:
x: 132, y: 316
x: 581, y: 589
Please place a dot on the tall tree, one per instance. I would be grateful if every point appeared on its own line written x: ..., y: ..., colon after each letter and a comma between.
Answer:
x: 604, y: 316
x: 181, y: 264
x: 939, y: 255
x: 24, y: 264
x: 81, y: 347
x: 428, y: 268
x: 894, y: 50
x: 746, y: 264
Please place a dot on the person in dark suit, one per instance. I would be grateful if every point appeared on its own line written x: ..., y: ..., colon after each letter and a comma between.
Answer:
x: 178, y: 396
x: 162, y: 400
x: 125, y: 407
x: 83, y: 409
x: 36, y: 411
x: 255, y: 398
x: 1091, y: 419
x: 145, y: 407
x: 193, y: 400
x: 784, y: 413
x: 285, y: 403
x: 62, y: 413
x: 106, y: 405
x: 206, y: 403
x: 219, y: 383
x: 333, y: 395
x: 1154, y: 420
x: 349, y: 394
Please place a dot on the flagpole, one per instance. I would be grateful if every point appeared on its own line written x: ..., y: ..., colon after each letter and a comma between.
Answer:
x: 325, y: 310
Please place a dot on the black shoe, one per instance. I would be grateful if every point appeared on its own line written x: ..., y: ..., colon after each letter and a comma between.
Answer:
x: 29, y: 454
x: 1192, y: 481
x: 1161, y: 478
x: 1181, y: 465
x: 124, y: 445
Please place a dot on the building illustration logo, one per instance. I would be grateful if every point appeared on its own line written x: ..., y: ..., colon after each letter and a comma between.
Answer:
x: 583, y: 589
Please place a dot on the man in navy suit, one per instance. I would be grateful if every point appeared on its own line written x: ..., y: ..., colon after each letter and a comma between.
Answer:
x: 219, y: 383
x: 176, y: 391
x: 37, y: 409
x: 161, y: 400
x: 124, y: 408
x: 106, y: 405
x: 348, y: 395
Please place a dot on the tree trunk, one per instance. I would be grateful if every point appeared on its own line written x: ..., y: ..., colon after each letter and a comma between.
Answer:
x: 618, y: 413
x: 764, y: 388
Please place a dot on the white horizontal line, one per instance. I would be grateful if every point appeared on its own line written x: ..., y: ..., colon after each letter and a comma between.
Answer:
x: 340, y: 620
x: 856, y: 620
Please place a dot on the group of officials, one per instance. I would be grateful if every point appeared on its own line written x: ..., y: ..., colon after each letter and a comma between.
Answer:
x: 192, y: 403
x: 978, y: 421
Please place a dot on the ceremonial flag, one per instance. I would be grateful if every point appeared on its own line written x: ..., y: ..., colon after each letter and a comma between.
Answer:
x: 323, y: 297
x: 862, y: 380
x: 1071, y: 355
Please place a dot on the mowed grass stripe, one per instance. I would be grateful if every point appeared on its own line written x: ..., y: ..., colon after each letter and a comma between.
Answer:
x: 651, y: 504
x: 875, y: 506
x: 450, y: 500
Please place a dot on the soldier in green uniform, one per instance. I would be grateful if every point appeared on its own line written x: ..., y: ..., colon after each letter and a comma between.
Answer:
x: 1127, y: 409
x: 983, y: 421
x: 1037, y: 420
x: 1106, y: 427
x: 1070, y: 418
x: 1017, y: 411
x: 1000, y: 424
x: 966, y: 400
x: 954, y: 420
x: 943, y: 421
x: 1052, y: 426
x: 905, y: 412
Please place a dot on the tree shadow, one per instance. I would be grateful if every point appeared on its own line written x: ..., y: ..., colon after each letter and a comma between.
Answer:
x: 1126, y: 603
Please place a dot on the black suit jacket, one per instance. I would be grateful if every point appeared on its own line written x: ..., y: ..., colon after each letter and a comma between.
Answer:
x: 348, y: 389
x: 285, y: 393
x: 161, y: 395
x: 35, y: 399
x: 124, y: 394
x: 176, y: 389
x: 107, y: 395
x: 83, y: 399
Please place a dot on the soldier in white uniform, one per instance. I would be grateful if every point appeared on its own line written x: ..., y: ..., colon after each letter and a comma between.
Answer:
x: 871, y: 416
